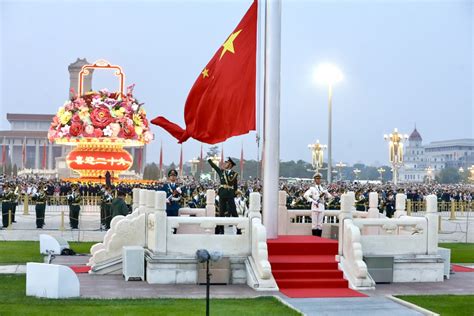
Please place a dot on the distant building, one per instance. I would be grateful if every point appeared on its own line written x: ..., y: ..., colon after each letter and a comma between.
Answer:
x: 29, y: 131
x: 423, y: 161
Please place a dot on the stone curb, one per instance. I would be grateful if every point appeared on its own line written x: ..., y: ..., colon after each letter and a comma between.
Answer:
x: 412, y: 306
x: 287, y: 304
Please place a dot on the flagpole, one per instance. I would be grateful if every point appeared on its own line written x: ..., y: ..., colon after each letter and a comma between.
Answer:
x: 271, y: 143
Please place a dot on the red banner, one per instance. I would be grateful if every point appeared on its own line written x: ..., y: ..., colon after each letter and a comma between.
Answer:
x: 99, y: 160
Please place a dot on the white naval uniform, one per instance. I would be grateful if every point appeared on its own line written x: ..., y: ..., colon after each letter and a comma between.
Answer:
x: 313, y: 195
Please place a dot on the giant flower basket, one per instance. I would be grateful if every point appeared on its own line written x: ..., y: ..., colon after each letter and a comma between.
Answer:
x: 99, y: 124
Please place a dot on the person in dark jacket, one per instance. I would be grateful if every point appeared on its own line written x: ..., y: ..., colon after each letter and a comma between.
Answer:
x: 119, y: 207
x: 173, y: 194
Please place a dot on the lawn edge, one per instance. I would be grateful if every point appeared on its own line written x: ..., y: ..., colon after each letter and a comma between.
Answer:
x: 415, y: 307
x: 281, y: 300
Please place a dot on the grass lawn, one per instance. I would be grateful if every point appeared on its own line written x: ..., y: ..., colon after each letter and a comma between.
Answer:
x: 12, y: 252
x: 14, y: 302
x: 460, y: 252
x: 446, y: 305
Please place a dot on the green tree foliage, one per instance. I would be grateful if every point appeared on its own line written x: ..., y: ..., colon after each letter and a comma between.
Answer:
x: 449, y: 175
x: 151, y: 172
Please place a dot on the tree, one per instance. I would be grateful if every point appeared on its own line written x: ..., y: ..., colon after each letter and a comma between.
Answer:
x: 151, y: 172
x: 212, y: 151
x: 449, y: 175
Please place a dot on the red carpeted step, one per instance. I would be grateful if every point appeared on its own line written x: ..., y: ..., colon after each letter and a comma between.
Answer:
x: 312, y: 283
x: 307, y: 274
x: 308, y: 245
x: 305, y: 266
x: 304, y: 293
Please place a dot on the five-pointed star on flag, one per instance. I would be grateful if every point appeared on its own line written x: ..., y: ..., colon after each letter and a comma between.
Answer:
x: 229, y: 44
x: 205, y: 73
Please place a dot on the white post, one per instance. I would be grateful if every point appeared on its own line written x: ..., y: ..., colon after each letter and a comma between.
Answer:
x: 282, y: 214
x: 136, y: 197
x: 347, y: 204
x: 372, y: 213
x: 254, y: 206
x: 271, y: 141
x: 161, y: 222
x: 432, y: 217
x: 210, y: 203
x: 142, y: 201
x: 400, y: 205
x: 150, y: 201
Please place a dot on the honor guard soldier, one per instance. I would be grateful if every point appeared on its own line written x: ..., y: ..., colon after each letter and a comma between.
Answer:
x: 105, y: 205
x: 14, y: 202
x: 7, y: 198
x: 74, y: 200
x: 40, y: 198
x: 173, y: 194
x: 317, y: 196
x: 228, y: 186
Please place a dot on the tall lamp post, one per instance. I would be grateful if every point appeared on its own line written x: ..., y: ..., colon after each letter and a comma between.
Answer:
x: 429, y: 172
x: 340, y: 165
x: 381, y: 171
x: 317, y: 155
x: 356, y: 172
x: 395, y: 150
x: 328, y: 74
x: 194, y: 166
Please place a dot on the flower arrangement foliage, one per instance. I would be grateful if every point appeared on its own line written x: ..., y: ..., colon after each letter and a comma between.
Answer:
x: 101, y: 114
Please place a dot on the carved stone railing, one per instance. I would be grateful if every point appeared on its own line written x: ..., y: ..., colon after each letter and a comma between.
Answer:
x: 124, y: 231
x: 293, y: 221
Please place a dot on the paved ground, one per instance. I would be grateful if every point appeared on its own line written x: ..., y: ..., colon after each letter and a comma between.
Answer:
x: 354, y: 306
x: 113, y: 286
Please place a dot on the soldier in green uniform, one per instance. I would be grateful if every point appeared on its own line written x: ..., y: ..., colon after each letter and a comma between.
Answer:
x: 7, y: 198
x: 40, y: 198
x: 119, y: 207
x: 14, y: 201
x: 228, y: 186
x: 74, y: 200
x: 105, y: 205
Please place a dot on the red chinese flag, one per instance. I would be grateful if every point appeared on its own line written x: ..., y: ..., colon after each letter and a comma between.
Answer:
x: 4, y: 154
x: 23, y: 153
x: 221, y: 103
x: 44, y: 155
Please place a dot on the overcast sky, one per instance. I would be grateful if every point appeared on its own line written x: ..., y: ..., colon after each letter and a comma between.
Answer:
x: 404, y: 62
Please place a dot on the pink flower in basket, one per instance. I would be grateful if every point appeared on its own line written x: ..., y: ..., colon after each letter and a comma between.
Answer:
x: 76, y: 128
x: 98, y: 132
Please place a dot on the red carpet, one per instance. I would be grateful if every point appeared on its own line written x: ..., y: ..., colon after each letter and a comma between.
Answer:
x: 305, y: 266
x: 458, y: 268
x: 80, y: 269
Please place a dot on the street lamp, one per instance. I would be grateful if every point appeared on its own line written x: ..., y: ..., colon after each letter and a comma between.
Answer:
x: 328, y: 74
x: 356, y: 172
x: 317, y: 154
x: 429, y: 172
x: 381, y: 171
x: 215, y: 159
x: 395, y: 150
x: 340, y: 165
x: 194, y: 165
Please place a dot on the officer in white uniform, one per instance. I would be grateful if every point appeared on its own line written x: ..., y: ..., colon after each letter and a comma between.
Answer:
x: 318, y: 196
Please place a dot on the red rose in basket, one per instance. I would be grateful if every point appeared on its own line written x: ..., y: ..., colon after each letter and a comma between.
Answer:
x: 128, y: 131
x: 76, y: 129
x: 101, y: 117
